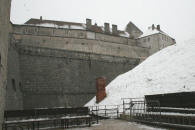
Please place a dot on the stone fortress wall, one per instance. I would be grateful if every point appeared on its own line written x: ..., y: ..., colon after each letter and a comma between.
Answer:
x: 58, y: 67
x: 156, y: 41
x: 5, y: 28
x: 50, y: 66
x: 78, y: 40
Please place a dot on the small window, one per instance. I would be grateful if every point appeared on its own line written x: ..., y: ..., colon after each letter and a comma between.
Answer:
x: 163, y: 37
x: 20, y: 86
x: 148, y: 39
x: 0, y: 61
x: 14, y: 84
x: 144, y: 40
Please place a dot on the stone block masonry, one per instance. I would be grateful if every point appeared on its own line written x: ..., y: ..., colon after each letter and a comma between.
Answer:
x: 58, y: 67
x: 5, y: 28
x: 54, y: 78
x: 103, y: 44
x: 14, y: 85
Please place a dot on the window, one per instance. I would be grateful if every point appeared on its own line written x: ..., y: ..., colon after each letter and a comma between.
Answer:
x: 0, y: 61
x: 20, y: 86
x: 148, y: 39
x: 13, y: 84
x: 144, y: 40
x: 163, y: 38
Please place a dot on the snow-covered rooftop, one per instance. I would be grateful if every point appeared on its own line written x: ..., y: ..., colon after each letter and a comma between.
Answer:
x: 67, y: 26
x: 124, y: 34
x: 151, y: 31
x: 167, y: 71
x: 120, y: 33
x: 71, y: 25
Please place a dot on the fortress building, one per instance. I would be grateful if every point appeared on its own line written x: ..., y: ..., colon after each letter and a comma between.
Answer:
x: 55, y: 63
x: 45, y: 63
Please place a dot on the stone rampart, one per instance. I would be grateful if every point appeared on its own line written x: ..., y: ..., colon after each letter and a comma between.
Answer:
x: 65, y: 78
x: 5, y: 28
x: 78, y: 40
x: 59, y: 67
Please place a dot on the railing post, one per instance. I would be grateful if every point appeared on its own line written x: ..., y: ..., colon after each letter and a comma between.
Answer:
x: 97, y: 114
x: 123, y: 106
x: 130, y: 110
x: 117, y: 112
x: 105, y: 110
x: 144, y: 106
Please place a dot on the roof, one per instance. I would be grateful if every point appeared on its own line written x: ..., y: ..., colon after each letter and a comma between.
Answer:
x: 132, y: 24
x: 59, y: 23
x: 123, y: 33
x: 151, y: 31
x: 56, y: 24
x: 71, y: 25
x: 96, y: 28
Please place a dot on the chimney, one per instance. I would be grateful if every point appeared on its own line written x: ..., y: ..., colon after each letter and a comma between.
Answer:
x: 41, y: 18
x: 153, y: 27
x: 114, y: 29
x: 107, y: 28
x: 88, y: 23
x: 158, y: 27
x: 100, y: 89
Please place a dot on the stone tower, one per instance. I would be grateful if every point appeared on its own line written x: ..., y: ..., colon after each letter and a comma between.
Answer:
x: 5, y: 28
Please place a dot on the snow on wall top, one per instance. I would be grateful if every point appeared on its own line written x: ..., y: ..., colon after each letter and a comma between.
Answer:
x: 167, y: 71
x: 60, y: 26
x: 124, y: 34
x: 55, y: 24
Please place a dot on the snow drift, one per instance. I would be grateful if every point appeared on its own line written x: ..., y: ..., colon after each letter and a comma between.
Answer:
x: 169, y: 70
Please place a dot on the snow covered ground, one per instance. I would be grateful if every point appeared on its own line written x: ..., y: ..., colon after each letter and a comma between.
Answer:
x: 169, y: 70
x: 118, y: 125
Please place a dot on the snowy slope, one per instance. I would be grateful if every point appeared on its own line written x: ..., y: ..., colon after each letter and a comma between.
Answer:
x: 169, y: 70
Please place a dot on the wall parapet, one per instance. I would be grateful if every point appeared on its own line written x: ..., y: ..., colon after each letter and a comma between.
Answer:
x: 71, y: 33
x: 82, y: 45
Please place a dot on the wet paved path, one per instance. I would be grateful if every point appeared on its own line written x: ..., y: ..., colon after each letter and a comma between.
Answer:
x: 117, y: 125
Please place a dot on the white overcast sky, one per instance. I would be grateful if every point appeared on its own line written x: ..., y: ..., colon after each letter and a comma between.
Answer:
x: 176, y: 17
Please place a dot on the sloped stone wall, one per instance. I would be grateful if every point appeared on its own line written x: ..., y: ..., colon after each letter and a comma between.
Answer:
x: 59, y: 67
x: 61, y: 78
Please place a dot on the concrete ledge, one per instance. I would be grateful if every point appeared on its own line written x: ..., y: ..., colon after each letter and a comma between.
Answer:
x: 159, y: 124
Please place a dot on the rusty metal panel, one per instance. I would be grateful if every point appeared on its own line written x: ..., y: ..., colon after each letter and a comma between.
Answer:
x: 100, y: 89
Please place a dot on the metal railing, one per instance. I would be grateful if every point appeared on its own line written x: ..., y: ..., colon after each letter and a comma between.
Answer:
x: 106, y: 111
x: 150, y: 111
